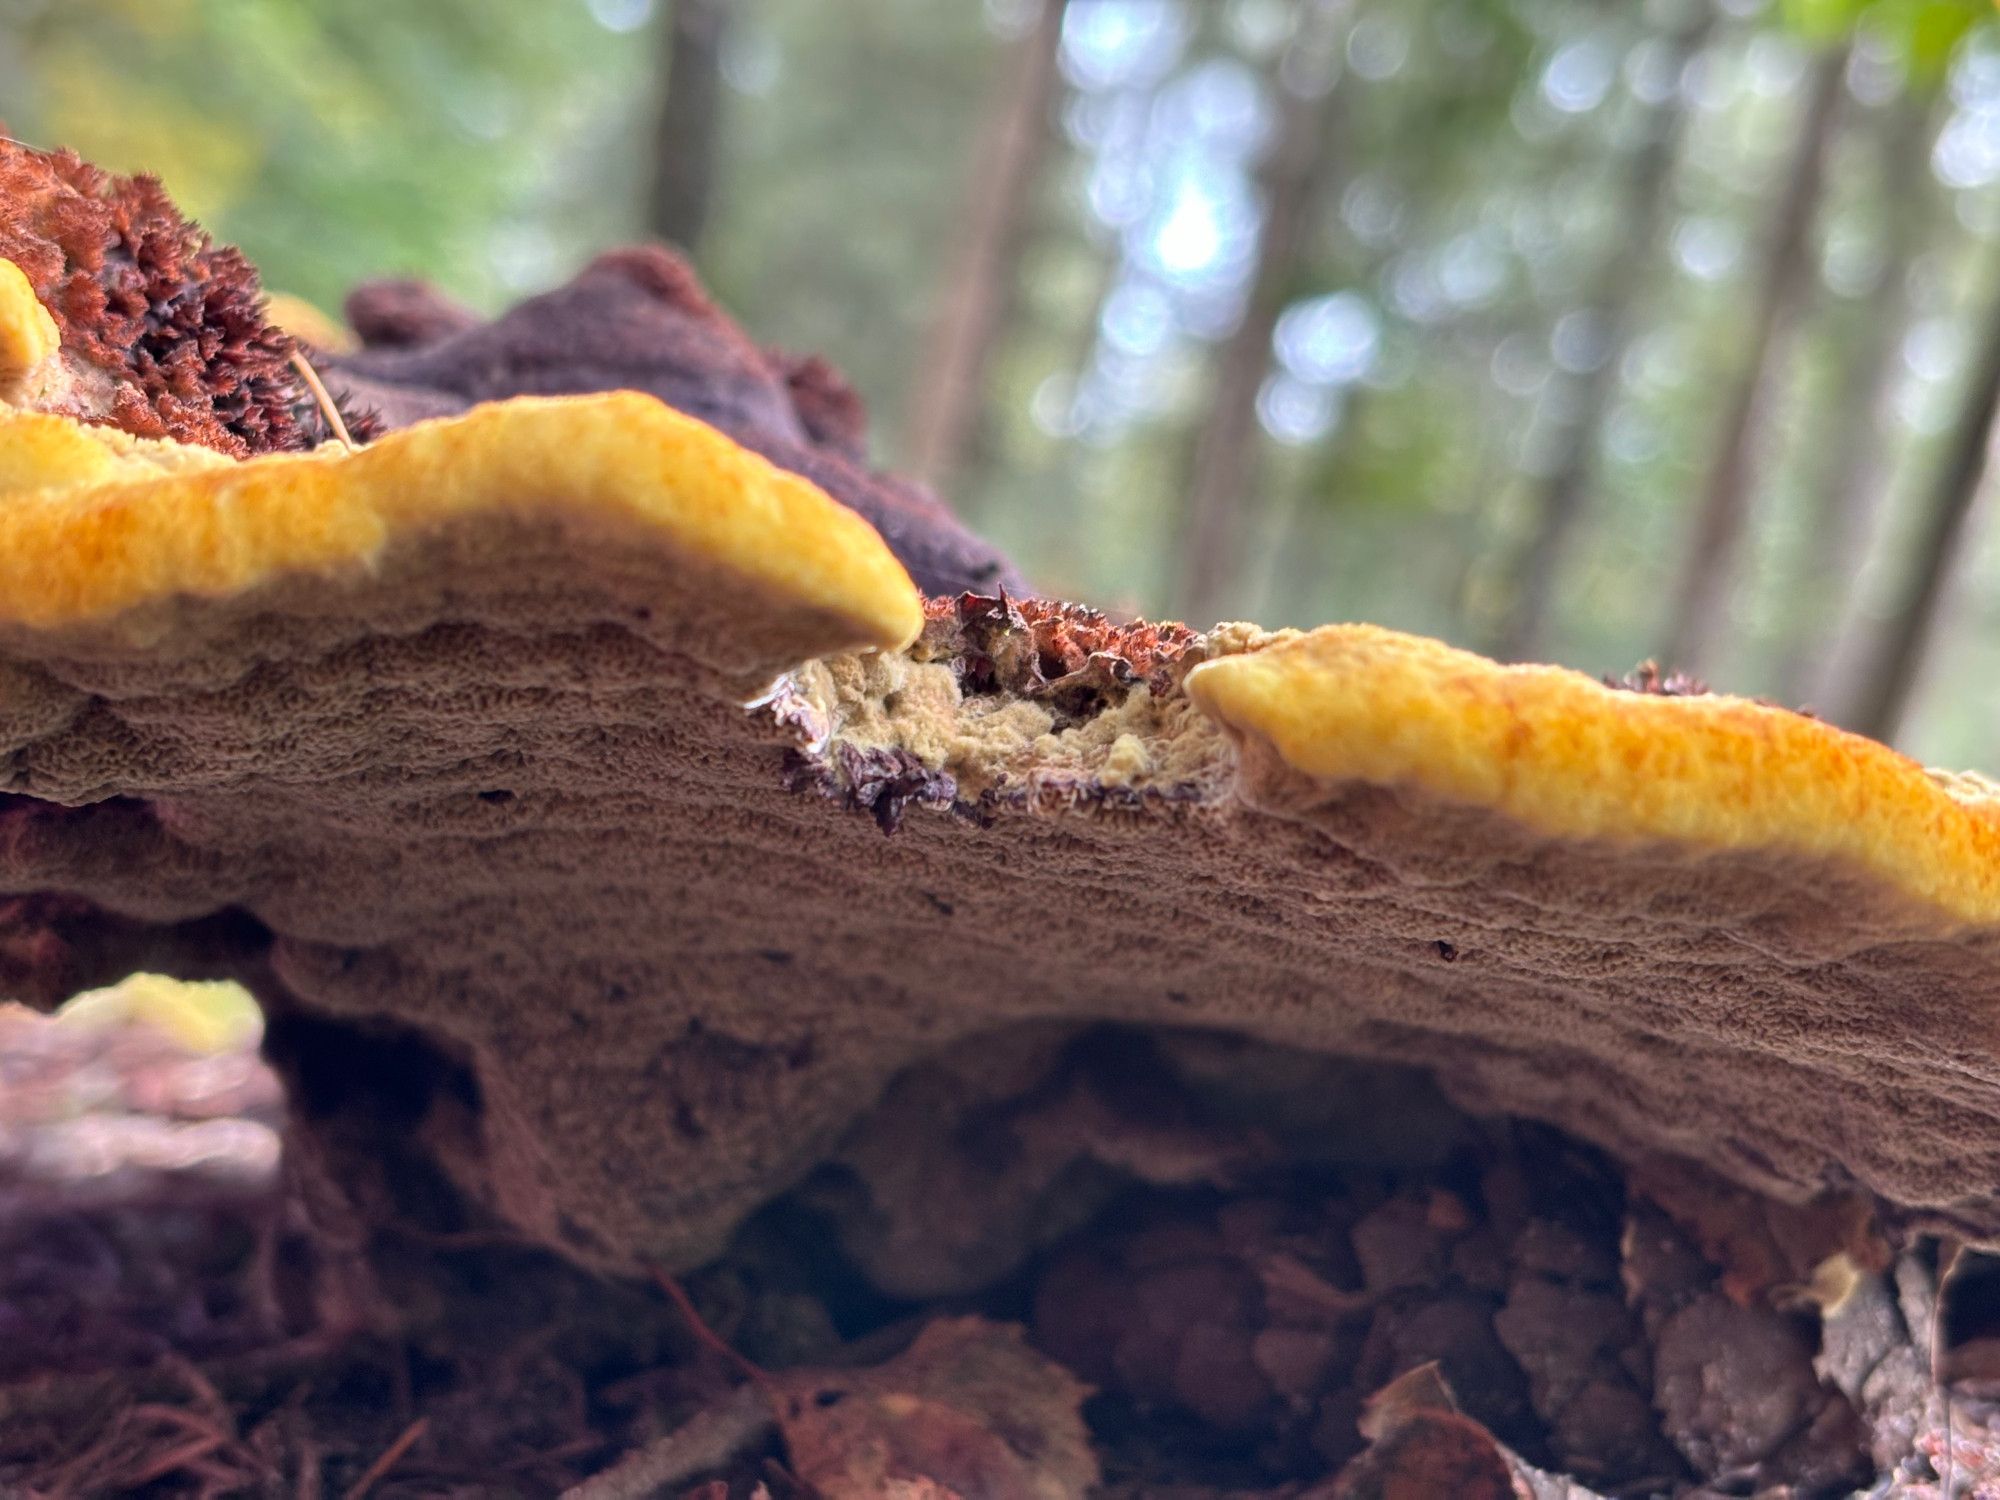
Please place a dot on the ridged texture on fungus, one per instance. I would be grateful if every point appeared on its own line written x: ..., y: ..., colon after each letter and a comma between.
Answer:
x: 162, y: 332
x: 638, y: 319
x: 444, y: 746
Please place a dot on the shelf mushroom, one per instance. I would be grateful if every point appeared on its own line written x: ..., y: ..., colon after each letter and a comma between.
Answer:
x: 532, y: 763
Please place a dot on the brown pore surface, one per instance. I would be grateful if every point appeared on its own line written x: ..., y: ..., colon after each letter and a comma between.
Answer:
x: 498, y: 812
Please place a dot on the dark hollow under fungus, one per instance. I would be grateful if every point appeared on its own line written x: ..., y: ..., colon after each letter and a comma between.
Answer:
x: 532, y: 765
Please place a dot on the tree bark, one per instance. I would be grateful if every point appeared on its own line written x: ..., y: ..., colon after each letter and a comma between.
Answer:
x: 944, y: 398
x: 1223, y: 470
x: 1614, y: 308
x: 1884, y: 695
x: 1701, y: 601
x: 1851, y: 469
x: 686, y: 134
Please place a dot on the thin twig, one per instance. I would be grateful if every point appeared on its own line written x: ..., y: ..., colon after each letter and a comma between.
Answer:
x: 166, y: 1463
x: 391, y: 1456
x: 713, y: 1342
x: 194, y: 1423
x: 309, y: 1469
x: 707, y: 1440
x: 203, y: 1389
x: 112, y: 1455
x: 327, y: 409
x: 1951, y: 1255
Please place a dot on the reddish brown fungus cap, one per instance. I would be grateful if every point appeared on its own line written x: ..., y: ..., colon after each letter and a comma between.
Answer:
x: 534, y: 766
x: 638, y: 319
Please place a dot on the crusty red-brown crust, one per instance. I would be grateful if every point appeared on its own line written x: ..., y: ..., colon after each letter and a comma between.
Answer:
x: 170, y: 324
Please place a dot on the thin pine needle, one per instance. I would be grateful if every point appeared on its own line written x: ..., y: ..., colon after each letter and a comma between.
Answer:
x: 391, y: 1456
x: 714, y: 1342
x: 325, y: 402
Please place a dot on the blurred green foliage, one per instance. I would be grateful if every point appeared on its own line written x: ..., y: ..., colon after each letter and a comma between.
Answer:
x: 1924, y: 33
x: 1478, y: 175
x: 478, y: 141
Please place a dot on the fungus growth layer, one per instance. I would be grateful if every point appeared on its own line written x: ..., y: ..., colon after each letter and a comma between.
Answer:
x: 533, y: 765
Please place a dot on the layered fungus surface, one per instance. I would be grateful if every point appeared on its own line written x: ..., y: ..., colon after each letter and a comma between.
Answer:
x: 613, y: 789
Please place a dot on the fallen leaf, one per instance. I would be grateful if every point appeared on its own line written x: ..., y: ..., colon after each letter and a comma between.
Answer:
x: 1421, y: 1446
x: 967, y: 1412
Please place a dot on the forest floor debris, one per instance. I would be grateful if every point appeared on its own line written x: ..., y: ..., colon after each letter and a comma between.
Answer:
x: 1518, y: 1318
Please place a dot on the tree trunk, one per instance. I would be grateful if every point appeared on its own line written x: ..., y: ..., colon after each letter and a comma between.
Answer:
x: 685, y: 137
x: 944, y: 398
x: 1701, y: 602
x: 1851, y: 468
x: 1614, y: 308
x: 1884, y: 695
x: 1223, y: 470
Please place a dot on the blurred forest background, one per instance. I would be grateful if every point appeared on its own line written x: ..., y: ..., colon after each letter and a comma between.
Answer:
x: 1565, y: 330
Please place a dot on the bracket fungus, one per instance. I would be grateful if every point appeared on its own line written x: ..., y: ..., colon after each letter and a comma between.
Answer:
x: 532, y: 764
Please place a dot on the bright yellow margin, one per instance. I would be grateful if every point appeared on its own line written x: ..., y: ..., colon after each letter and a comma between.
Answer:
x: 1573, y: 759
x: 93, y: 523
x: 28, y: 334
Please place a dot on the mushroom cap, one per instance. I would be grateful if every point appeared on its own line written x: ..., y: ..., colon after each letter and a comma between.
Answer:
x: 1577, y: 760
x: 638, y: 319
x: 533, y: 765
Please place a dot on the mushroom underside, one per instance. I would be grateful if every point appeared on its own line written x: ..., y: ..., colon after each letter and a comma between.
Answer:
x: 641, y: 910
